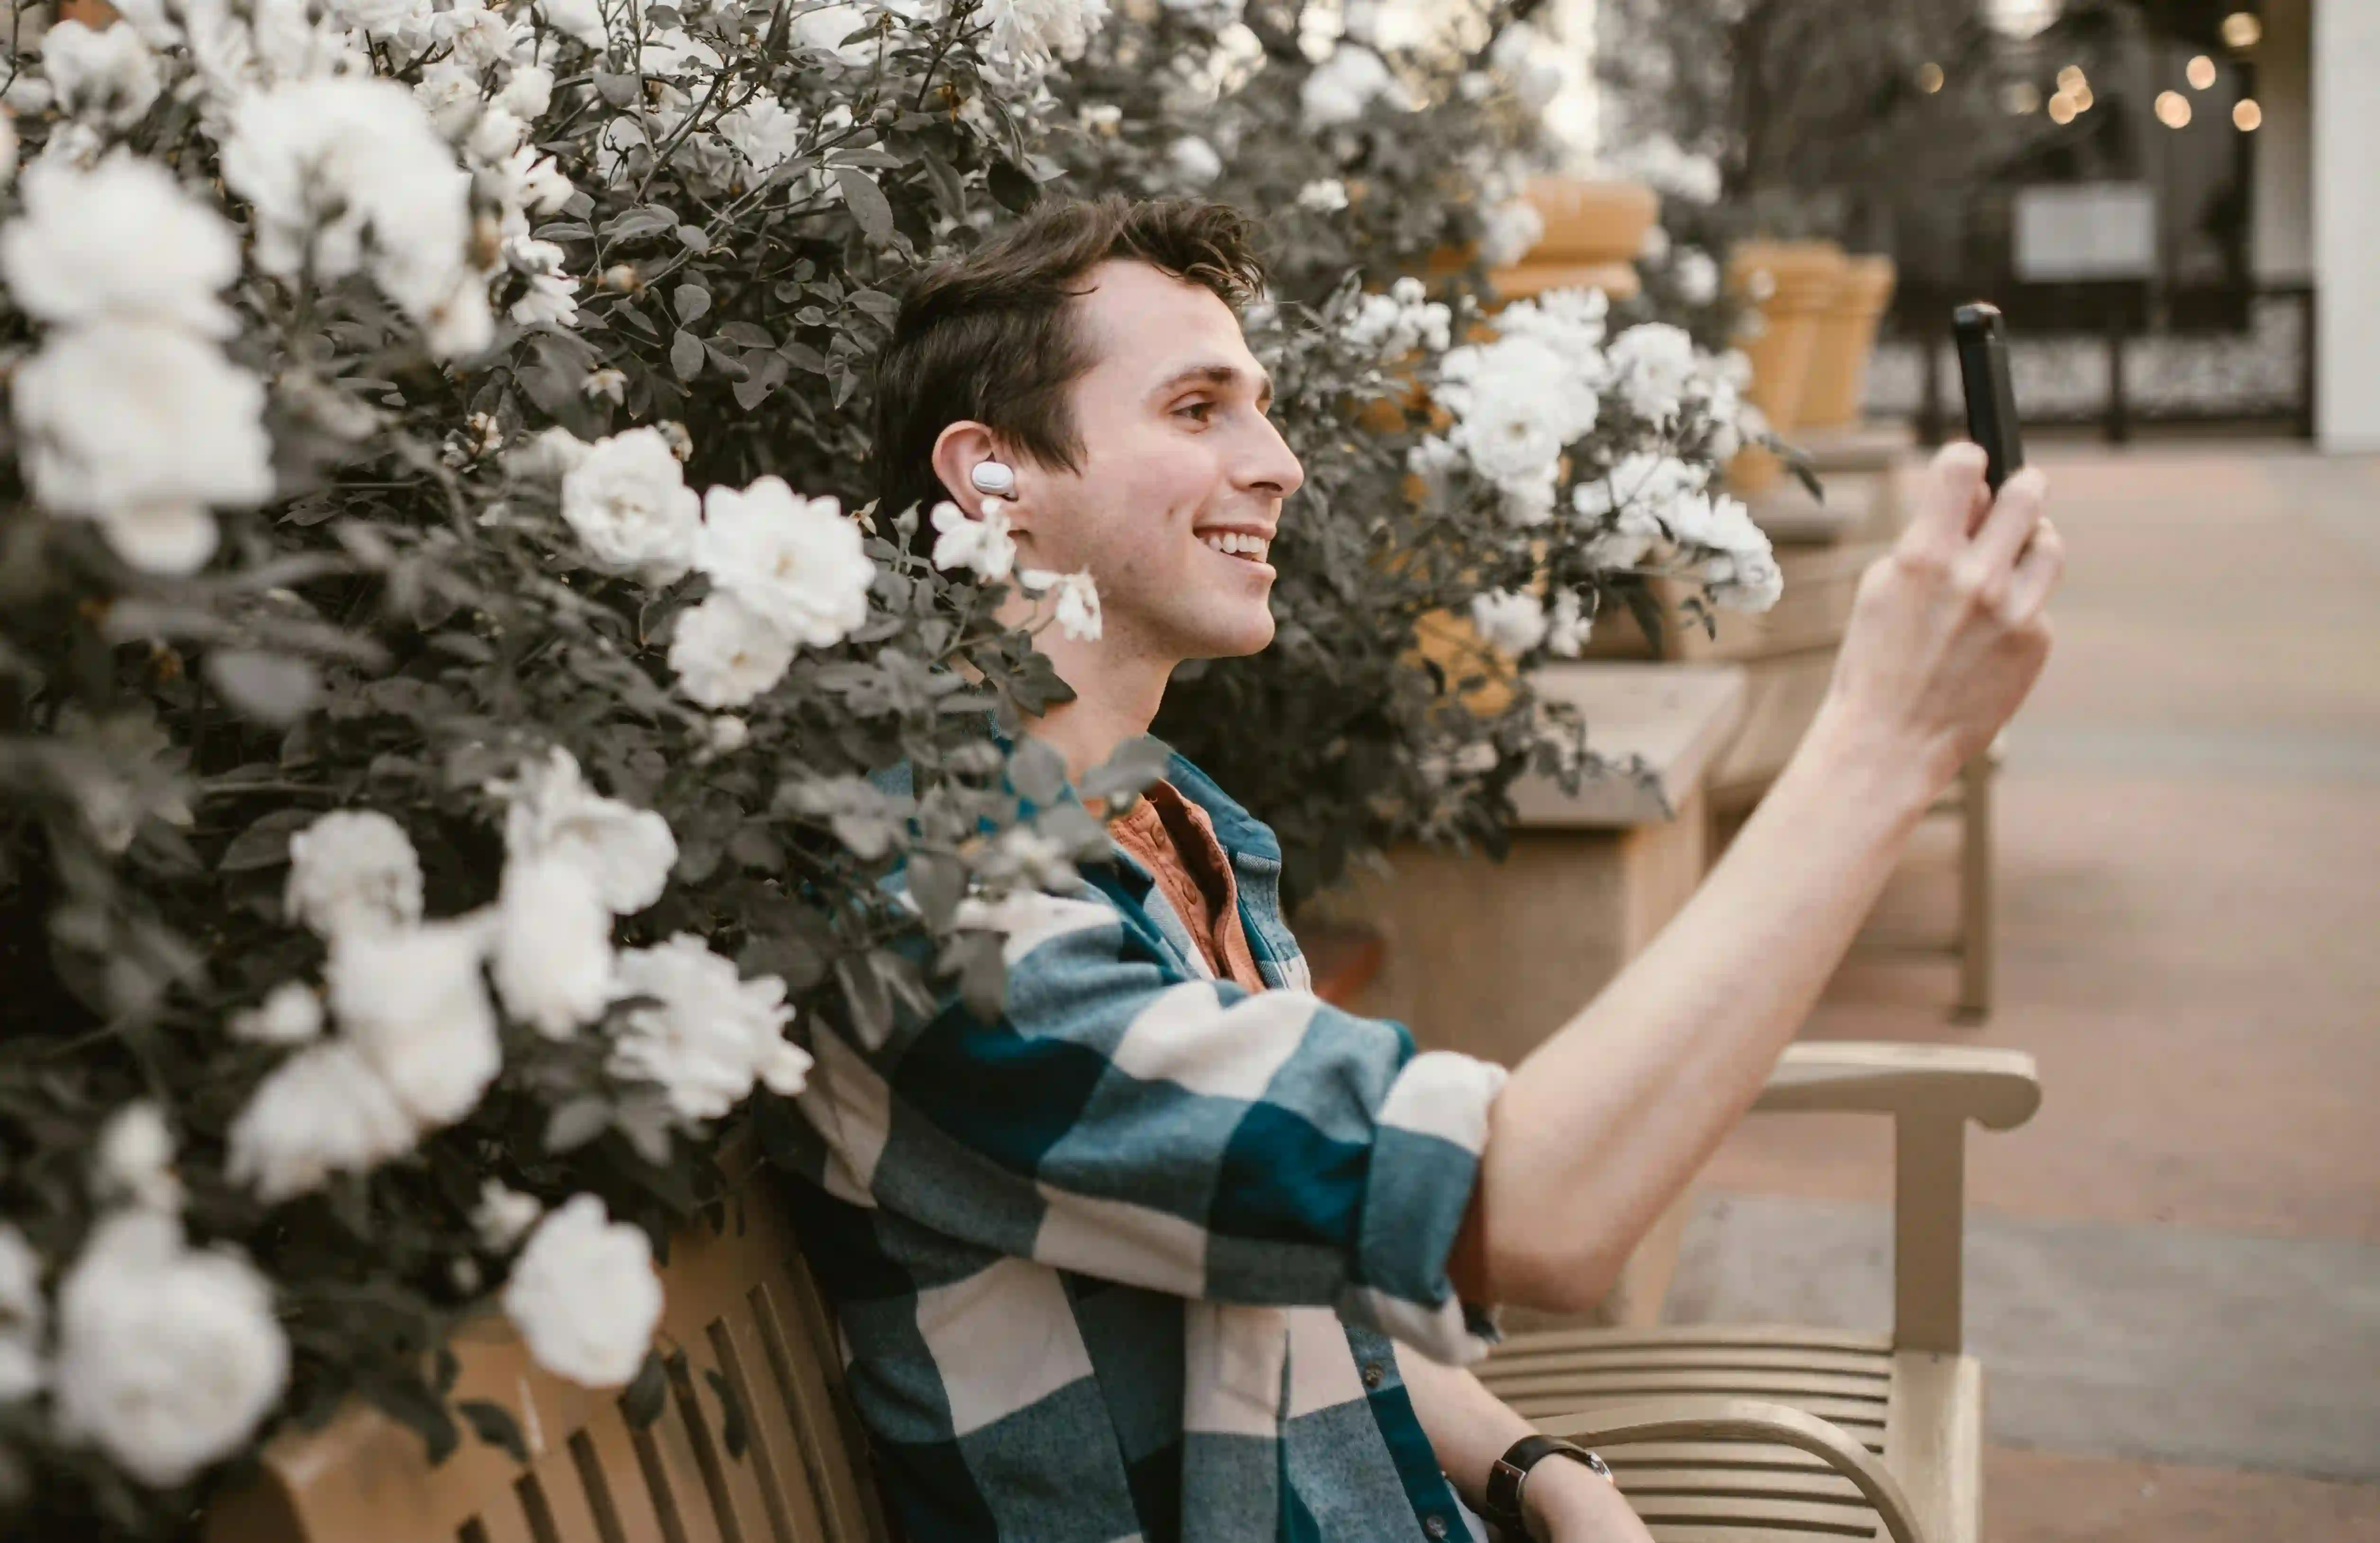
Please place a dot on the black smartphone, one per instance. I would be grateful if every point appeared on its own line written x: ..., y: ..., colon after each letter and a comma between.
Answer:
x: 1982, y: 334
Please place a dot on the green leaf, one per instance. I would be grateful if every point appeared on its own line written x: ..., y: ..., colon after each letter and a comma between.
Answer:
x: 575, y: 1123
x: 1014, y: 188
x: 690, y: 301
x: 642, y: 1400
x: 494, y: 1424
x: 694, y: 238
x: 983, y: 973
x: 1132, y: 767
x: 686, y: 355
x: 865, y: 201
x: 266, y: 843
x: 270, y: 687
x: 616, y: 91
x: 937, y: 884
x: 1037, y: 772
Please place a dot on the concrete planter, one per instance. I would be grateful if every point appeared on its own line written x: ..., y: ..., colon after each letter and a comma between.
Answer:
x: 1593, y: 231
x: 1795, y: 285
x: 1837, y: 383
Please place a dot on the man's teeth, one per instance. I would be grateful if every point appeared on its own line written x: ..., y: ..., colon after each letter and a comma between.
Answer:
x: 1235, y: 543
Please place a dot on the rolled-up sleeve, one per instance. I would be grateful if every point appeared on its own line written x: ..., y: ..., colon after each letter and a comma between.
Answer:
x: 1122, y: 1121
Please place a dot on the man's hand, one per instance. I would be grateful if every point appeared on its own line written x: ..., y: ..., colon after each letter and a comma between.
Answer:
x: 1949, y: 633
x: 1603, y: 1125
x: 1569, y: 1503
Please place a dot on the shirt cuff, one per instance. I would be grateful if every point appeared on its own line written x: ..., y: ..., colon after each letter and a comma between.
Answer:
x: 1430, y: 1131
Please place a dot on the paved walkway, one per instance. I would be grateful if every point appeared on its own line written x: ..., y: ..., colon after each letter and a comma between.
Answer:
x: 2174, y: 1273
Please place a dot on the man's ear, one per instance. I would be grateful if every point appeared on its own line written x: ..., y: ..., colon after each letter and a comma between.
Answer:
x: 958, y: 450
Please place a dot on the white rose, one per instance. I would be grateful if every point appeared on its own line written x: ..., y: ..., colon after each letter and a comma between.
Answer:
x: 1655, y: 365
x: 109, y: 75
x: 349, y: 173
x: 582, y: 20
x: 528, y: 91
x: 983, y: 545
x: 585, y: 1297
x: 1077, y: 601
x: 291, y: 1013
x: 135, y: 1161
x: 24, y: 1317
x: 764, y: 131
x: 141, y: 427
x: 552, y: 960
x: 1325, y: 195
x: 627, y: 500
x: 1027, y: 36
x: 1509, y: 621
x: 1697, y: 276
x: 624, y: 853
x: 712, y: 1034
x: 725, y: 653
x: 168, y: 1356
x: 1568, y: 626
x: 796, y: 561
x: 324, y: 1111
x: 1342, y: 86
x: 1194, y: 161
x: 503, y: 1215
x: 353, y: 870
x: 403, y: 21
x: 413, y: 1004
x: 1509, y: 232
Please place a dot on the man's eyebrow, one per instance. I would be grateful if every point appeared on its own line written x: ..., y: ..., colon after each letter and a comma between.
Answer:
x: 1216, y: 375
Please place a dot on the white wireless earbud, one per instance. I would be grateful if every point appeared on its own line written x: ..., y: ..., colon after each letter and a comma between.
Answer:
x: 993, y: 478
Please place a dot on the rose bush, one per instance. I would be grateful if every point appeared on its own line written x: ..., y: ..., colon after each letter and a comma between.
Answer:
x: 442, y: 662
x: 1393, y: 141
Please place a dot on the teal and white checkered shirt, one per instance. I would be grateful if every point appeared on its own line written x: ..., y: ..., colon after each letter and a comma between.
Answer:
x: 1125, y: 1263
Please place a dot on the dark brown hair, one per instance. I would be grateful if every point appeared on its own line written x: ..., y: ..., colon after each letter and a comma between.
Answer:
x: 988, y: 336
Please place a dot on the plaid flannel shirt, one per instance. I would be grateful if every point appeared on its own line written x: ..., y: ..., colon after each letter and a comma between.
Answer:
x: 1125, y: 1263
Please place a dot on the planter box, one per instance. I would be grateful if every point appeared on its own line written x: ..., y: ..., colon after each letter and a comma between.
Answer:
x: 1782, y: 697
x: 1819, y: 584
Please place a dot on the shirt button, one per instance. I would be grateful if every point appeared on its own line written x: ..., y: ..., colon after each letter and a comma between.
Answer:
x: 1372, y: 1374
x: 1434, y: 1526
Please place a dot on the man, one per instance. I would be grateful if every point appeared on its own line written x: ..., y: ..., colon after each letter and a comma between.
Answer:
x: 1174, y: 1250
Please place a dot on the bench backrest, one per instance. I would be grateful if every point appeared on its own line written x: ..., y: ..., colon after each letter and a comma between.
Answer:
x: 740, y: 1304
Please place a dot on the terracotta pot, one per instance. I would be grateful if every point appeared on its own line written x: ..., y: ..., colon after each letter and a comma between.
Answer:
x: 1617, y: 280
x: 1593, y: 231
x: 1837, y: 384
x: 1794, y: 284
x: 1591, y: 222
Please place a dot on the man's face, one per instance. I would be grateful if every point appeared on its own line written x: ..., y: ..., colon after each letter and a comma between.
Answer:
x: 1181, y: 478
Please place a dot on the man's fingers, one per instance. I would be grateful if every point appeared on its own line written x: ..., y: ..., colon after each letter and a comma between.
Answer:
x: 1955, y: 498
x: 2036, y: 576
x: 2015, y: 515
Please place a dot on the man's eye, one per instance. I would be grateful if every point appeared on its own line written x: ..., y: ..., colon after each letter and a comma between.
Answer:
x: 1199, y: 411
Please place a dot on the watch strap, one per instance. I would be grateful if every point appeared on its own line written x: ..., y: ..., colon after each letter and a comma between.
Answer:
x: 1511, y: 1472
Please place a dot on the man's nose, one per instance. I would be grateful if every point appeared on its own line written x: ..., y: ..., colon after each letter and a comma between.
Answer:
x: 1272, y: 466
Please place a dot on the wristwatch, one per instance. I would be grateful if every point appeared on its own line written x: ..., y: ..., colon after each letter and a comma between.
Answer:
x: 1512, y: 1472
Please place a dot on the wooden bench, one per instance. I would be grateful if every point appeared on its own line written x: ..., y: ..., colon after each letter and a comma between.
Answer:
x: 740, y: 1303
x: 1748, y: 1432
x: 1709, y: 1429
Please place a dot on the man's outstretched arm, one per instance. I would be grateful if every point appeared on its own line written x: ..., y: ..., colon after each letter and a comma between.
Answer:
x: 1604, y: 1124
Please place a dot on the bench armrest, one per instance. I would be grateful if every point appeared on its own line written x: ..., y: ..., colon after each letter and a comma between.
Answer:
x: 1931, y: 1091
x: 1998, y: 1090
x: 1741, y: 1419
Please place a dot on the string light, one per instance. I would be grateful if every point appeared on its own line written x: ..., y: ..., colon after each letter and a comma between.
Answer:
x: 2173, y: 109
x: 2202, y: 72
x: 2247, y: 116
x: 1929, y: 77
x: 2083, y: 99
x: 2061, y: 109
x: 2071, y: 80
x: 2021, y: 97
x: 2242, y: 31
